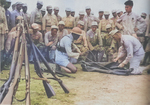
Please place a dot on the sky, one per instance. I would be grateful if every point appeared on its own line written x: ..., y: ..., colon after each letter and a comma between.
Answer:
x: 96, y: 5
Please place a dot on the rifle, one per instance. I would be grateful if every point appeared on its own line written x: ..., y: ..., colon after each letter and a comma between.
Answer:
x: 5, y: 86
x: 9, y: 96
x: 107, y: 70
x: 27, y: 77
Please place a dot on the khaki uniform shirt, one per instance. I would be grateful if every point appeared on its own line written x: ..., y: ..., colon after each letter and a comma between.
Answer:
x: 48, y: 38
x: 48, y: 21
x: 11, y: 36
x: 3, y: 27
x: 62, y: 33
x: 84, y: 20
x: 59, y: 18
x: 69, y: 21
x: 36, y: 16
x: 114, y: 19
x: 94, y: 38
x: 37, y: 37
x: 90, y: 19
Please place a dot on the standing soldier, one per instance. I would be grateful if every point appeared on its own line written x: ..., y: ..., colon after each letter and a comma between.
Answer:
x: 81, y: 18
x: 129, y: 19
x: 115, y: 17
x: 61, y: 31
x: 36, y: 15
x: 56, y: 10
x: 72, y: 12
x: 7, y: 13
x: 49, y: 20
x: 90, y: 18
x: 43, y: 12
x: 95, y: 43
x: 69, y: 20
x: 25, y: 15
x: 3, y: 28
x: 101, y: 13
x: 103, y: 23
x: 16, y: 13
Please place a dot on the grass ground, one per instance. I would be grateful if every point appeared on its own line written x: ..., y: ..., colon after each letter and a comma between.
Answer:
x: 88, y: 88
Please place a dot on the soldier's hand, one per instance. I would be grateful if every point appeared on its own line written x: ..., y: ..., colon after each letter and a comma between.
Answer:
x: 136, y: 29
x: 115, y: 60
x: 121, y: 65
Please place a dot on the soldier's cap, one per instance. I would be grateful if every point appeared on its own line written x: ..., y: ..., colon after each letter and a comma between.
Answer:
x: 17, y: 3
x: 49, y: 7
x: 56, y: 8
x: 108, y: 26
x: 72, y: 10
x: 8, y: 1
x: 106, y: 13
x: 118, y: 11
x: 35, y: 26
x: 61, y: 22
x: 24, y: 5
x: 43, y: 9
x: 81, y: 22
x: 68, y: 9
x: 81, y: 13
x: 100, y: 10
x: 54, y: 27
x: 113, y: 32
x: 76, y: 30
x: 129, y: 2
x: 40, y: 2
x: 113, y: 11
x: 144, y: 14
x: 94, y: 23
x: 87, y: 7
x: 19, y: 18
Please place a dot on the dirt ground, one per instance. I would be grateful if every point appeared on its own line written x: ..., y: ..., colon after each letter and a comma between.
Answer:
x: 91, y: 88
x: 104, y: 89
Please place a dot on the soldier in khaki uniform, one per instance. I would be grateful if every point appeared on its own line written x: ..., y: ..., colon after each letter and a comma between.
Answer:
x: 90, y: 18
x: 49, y: 20
x: 36, y: 15
x: 69, y: 20
x: 72, y: 12
x: 101, y: 13
x: 95, y: 43
x: 81, y: 18
x: 43, y: 12
x: 81, y: 42
x: 37, y: 39
x: 61, y: 31
x: 3, y: 27
x: 115, y: 17
x: 26, y: 16
x: 103, y: 23
x: 56, y: 10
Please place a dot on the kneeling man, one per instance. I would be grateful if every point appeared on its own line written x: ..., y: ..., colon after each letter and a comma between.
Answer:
x: 132, y: 48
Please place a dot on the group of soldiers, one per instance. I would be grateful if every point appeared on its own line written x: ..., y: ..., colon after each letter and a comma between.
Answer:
x: 94, y: 41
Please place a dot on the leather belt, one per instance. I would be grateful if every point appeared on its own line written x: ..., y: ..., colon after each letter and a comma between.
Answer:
x: 68, y: 27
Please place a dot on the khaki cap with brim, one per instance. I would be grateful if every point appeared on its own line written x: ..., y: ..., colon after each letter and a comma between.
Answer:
x: 61, y: 22
x: 54, y: 27
x: 94, y: 23
x: 35, y: 26
x: 106, y: 13
x: 113, y: 32
x: 76, y: 30
x: 108, y: 26
x: 49, y: 7
x: 56, y: 8
x: 81, y: 22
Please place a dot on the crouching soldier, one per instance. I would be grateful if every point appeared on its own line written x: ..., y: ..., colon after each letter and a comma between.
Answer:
x: 37, y: 39
x: 81, y: 42
x: 64, y: 51
x: 95, y: 43
x: 132, y: 47
x: 51, y: 39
